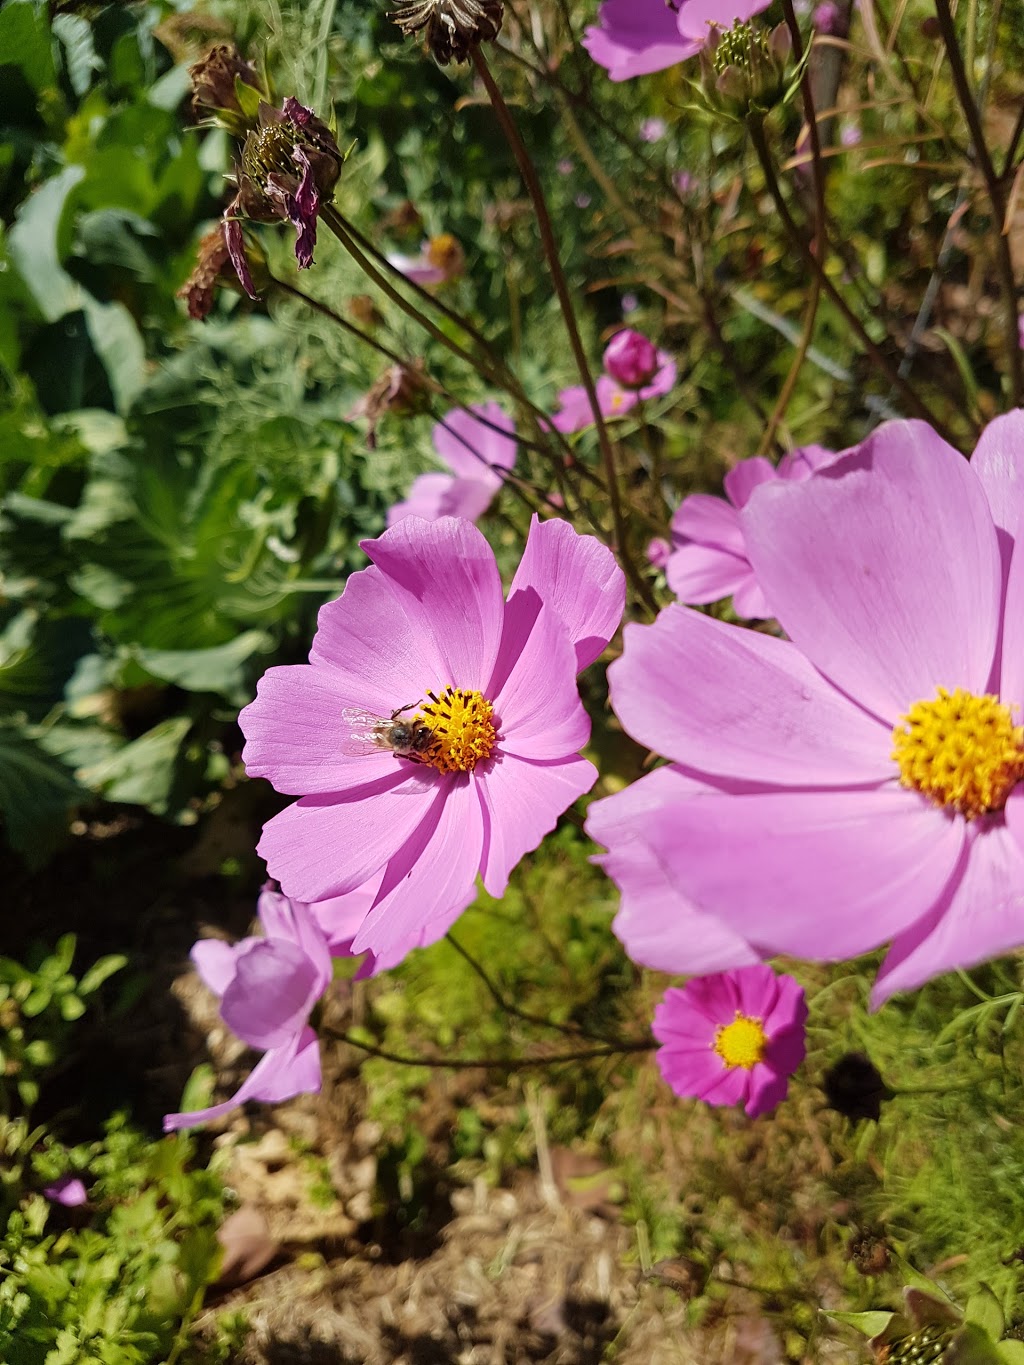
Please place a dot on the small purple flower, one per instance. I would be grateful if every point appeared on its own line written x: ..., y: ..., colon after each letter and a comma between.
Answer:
x: 828, y: 18
x: 565, y: 166
x: 267, y: 988
x: 631, y: 359
x: 849, y: 133
x: 67, y: 1190
x: 477, y: 456
x: 630, y: 303
x: 658, y: 551
x: 732, y: 1038
x: 653, y: 129
x: 709, y: 560
x: 582, y: 201
x: 684, y: 182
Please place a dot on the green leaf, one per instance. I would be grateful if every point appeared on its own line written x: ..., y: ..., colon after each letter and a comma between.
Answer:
x: 25, y: 46
x: 983, y: 1309
x: 71, y: 1007
x: 100, y: 971
x: 142, y: 773
x: 1011, y: 1352
x: 870, y: 1324
x: 971, y: 1346
x: 35, y: 244
x: 119, y: 346
x: 218, y: 669
x: 36, y: 793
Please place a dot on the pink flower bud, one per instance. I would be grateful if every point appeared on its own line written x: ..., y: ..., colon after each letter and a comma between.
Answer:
x: 630, y: 359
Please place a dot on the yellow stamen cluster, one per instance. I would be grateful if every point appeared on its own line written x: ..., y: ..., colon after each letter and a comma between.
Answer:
x: 961, y: 751
x: 741, y: 1043
x: 461, y: 724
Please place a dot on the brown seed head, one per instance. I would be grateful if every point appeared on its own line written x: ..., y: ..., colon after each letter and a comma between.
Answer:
x: 451, y: 27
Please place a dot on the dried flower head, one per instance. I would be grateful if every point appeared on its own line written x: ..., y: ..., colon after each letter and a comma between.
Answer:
x: 216, y: 78
x: 451, y: 27
x: 215, y: 267
x: 401, y: 389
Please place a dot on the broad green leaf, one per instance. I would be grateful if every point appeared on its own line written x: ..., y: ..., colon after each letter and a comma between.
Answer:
x: 36, y: 793
x: 142, y: 773
x: 983, y: 1309
x: 1011, y: 1352
x: 25, y: 46
x: 218, y: 669
x: 870, y: 1324
x: 119, y: 346
x: 35, y: 245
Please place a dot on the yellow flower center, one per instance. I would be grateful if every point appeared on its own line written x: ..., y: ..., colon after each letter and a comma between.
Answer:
x: 741, y: 1043
x: 445, y: 253
x: 960, y: 751
x: 462, y: 730
x: 617, y: 401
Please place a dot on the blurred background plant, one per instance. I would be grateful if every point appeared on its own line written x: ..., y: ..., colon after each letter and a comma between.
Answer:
x: 177, y: 497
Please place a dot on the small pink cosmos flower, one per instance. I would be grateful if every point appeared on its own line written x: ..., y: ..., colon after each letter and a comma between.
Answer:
x: 709, y: 559
x: 631, y: 359
x: 435, y: 732
x: 476, y: 451
x: 574, y: 412
x: 732, y: 1038
x: 636, y: 37
x: 441, y: 259
x: 860, y: 782
x: 267, y: 987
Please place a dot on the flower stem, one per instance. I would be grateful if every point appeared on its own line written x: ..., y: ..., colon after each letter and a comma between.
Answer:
x: 997, y: 198
x: 494, y: 1063
x: 881, y: 362
x: 550, y: 248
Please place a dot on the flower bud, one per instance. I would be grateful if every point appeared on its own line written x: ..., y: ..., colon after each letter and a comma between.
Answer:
x: 225, y: 85
x: 451, y: 27
x: 631, y: 359
x: 743, y: 69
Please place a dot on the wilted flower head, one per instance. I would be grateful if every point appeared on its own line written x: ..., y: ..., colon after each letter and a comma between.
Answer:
x: 732, y: 1038
x: 401, y: 389
x: 290, y: 166
x: 214, y: 267
x: 451, y: 27
x: 215, y: 81
x: 267, y: 987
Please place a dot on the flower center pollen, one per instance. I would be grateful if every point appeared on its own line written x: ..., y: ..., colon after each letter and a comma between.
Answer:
x: 461, y: 724
x: 960, y: 751
x: 741, y: 1043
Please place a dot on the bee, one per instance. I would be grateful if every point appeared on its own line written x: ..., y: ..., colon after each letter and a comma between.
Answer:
x: 404, y: 738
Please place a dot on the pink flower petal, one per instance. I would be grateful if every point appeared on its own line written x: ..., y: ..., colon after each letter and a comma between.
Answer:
x: 695, y: 15
x: 538, y: 706
x: 522, y: 801
x: 578, y: 578
x: 339, y: 917
x: 214, y: 960
x: 733, y: 703
x: 379, y: 660
x: 320, y: 847
x: 884, y: 568
x: 278, y: 1075
x: 744, y: 477
x: 291, y: 921
x: 658, y: 927
x: 998, y: 461
x: 766, y: 1089
x: 268, y: 1000
x: 471, y: 448
x: 636, y: 37
x: 981, y: 917
x: 444, y: 576
x: 819, y: 875
x: 434, y: 871
x: 440, y: 495
x: 710, y: 522
x: 700, y: 573
x: 297, y: 737
x: 749, y: 602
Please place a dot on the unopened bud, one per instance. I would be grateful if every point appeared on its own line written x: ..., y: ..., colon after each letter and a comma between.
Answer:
x: 226, y: 86
x: 631, y: 359
x: 743, y: 70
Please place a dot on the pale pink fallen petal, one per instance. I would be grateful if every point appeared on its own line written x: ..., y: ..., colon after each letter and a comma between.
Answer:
x: 279, y: 1075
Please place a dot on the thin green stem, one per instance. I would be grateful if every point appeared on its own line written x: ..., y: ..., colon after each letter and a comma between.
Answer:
x: 877, y: 357
x: 997, y: 199
x: 493, y: 1063
x: 558, y: 279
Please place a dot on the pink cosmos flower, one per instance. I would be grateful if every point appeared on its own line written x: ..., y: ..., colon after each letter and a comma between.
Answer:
x: 636, y: 37
x: 435, y: 732
x: 732, y: 1038
x: 476, y: 454
x: 67, y: 1190
x: 441, y: 258
x: 267, y: 987
x: 859, y: 782
x: 709, y: 560
x: 574, y: 412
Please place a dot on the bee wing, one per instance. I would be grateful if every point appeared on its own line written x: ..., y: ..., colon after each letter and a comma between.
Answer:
x: 362, y: 732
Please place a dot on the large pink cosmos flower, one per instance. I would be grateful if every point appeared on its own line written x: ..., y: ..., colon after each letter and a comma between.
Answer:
x: 435, y: 732
x: 732, y: 1038
x: 860, y: 781
x: 574, y: 411
x: 636, y: 37
x: 267, y: 987
x: 709, y: 558
x: 476, y: 452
